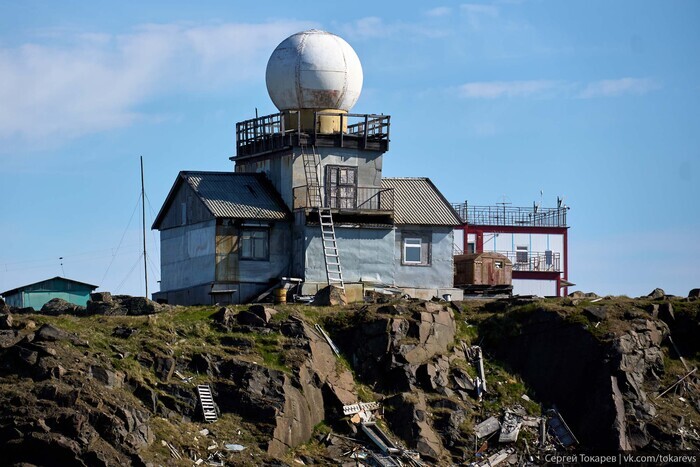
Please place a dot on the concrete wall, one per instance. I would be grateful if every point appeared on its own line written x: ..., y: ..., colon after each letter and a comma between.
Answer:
x: 541, y: 288
x: 187, y: 255
x: 439, y: 272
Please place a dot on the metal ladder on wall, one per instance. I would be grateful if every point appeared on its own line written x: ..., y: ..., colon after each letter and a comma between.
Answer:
x: 334, y: 272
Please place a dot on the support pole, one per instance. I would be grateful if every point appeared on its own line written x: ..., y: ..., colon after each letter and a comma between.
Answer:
x: 143, y: 224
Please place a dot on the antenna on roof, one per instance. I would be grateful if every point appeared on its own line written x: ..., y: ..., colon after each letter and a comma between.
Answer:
x: 560, y: 201
x: 60, y: 258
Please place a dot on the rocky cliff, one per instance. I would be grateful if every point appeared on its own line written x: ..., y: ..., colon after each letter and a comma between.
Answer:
x: 116, y: 383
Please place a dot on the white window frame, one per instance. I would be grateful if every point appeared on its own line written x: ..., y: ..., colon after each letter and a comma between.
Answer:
x: 409, y: 242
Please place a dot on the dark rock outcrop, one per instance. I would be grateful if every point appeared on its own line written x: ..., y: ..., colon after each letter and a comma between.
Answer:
x: 59, y: 306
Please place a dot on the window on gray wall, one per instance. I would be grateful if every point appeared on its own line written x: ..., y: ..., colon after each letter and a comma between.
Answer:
x: 255, y: 244
x: 415, y: 249
x: 412, y: 250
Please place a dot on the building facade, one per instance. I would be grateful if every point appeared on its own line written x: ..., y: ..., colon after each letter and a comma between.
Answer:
x: 534, y: 239
x: 36, y: 295
x: 307, y: 200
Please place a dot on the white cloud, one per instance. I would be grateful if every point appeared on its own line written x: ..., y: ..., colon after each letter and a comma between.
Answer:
x: 373, y: 27
x: 552, y: 88
x: 496, y: 89
x: 618, y: 87
x: 480, y: 9
x: 439, y: 11
x: 71, y: 84
x: 477, y: 14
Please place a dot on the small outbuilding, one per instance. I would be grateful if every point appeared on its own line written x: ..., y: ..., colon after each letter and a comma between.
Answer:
x: 37, y: 294
x: 485, y: 268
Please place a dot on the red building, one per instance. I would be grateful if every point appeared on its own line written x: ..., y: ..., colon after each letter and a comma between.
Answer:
x: 534, y: 239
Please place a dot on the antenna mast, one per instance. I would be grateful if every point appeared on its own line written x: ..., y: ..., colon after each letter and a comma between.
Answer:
x: 143, y: 224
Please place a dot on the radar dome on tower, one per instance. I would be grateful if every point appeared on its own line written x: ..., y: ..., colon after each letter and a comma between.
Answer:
x: 314, y: 70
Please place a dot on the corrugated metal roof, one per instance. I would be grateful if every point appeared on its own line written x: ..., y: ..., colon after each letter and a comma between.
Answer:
x: 237, y: 195
x: 17, y: 289
x: 233, y: 195
x: 418, y: 202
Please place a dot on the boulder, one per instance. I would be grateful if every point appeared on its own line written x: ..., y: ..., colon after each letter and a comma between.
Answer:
x: 50, y: 333
x: 4, y: 308
x: 8, y: 338
x: 136, y: 306
x: 109, y: 308
x: 694, y: 293
x: 408, y: 418
x: 124, y: 332
x: 164, y: 367
x: 226, y: 317
x: 248, y: 318
x: 263, y: 312
x: 657, y: 294
x: 59, y: 306
x: 5, y: 321
x: 596, y: 313
x: 111, y: 379
x: 330, y: 296
x: 102, y: 297
x: 583, y: 295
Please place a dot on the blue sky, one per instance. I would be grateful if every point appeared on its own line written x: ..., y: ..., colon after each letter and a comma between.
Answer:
x: 595, y: 101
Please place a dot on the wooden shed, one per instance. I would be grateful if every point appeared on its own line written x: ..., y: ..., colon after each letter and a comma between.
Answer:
x: 487, y: 268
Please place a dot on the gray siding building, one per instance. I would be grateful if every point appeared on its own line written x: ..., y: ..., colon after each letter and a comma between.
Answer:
x: 307, y: 199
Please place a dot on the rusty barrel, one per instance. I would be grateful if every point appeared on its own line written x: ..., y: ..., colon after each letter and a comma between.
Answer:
x: 281, y: 295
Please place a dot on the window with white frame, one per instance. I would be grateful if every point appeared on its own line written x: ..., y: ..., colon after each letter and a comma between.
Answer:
x: 255, y: 244
x: 412, y: 250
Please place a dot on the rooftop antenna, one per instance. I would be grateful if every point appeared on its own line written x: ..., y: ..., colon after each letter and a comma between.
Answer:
x: 560, y: 201
x: 536, y: 206
x: 143, y: 224
x: 60, y: 258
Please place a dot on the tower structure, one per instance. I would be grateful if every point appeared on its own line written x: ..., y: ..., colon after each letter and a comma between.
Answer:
x: 307, y: 198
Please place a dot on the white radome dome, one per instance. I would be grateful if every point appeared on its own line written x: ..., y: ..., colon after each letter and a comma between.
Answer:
x: 314, y: 70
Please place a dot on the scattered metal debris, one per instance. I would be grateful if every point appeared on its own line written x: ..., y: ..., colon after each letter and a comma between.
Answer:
x: 560, y: 429
x: 510, y: 428
x: 234, y: 447
x: 496, y: 459
x: 474, y: 354
x: 677, y: 382
x: 183, y: 378
x: 174, y: 453
x: 487, y: 427
x: 328, y: 339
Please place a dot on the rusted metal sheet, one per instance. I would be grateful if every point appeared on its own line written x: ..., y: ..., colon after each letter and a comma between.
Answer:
x: 487, y: 427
